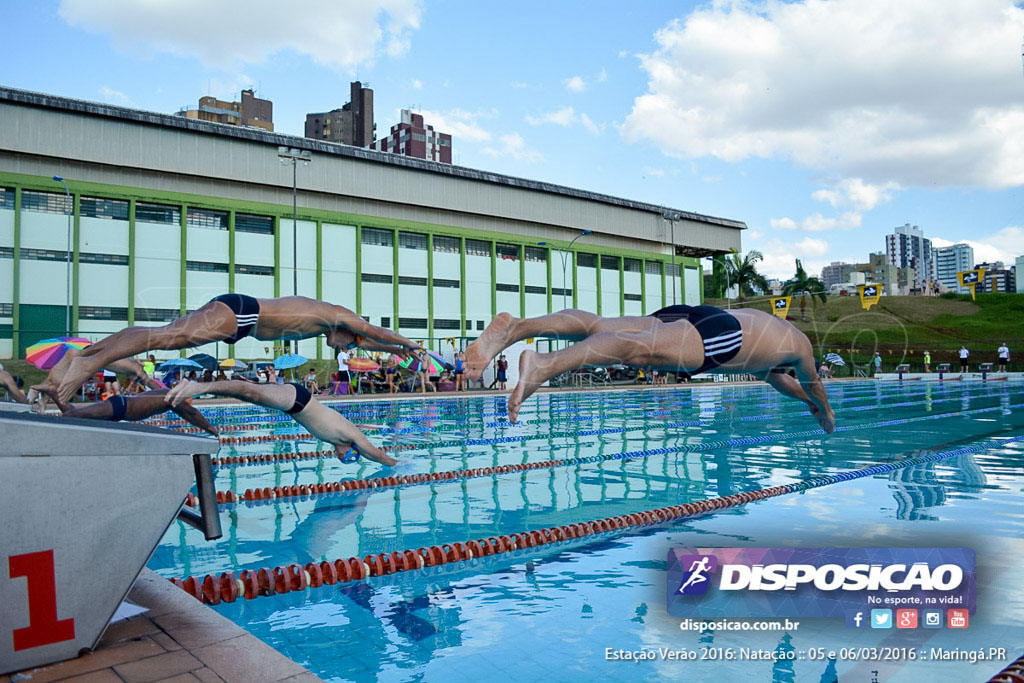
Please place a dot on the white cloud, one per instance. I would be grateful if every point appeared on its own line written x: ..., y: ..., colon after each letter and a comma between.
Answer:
x: 857, y: 193
x: 819, y: 223
x: 1005, y: 245
x: 623, y: 53
x: 780, y: 256
x: 915, y: 92
x: 518, y: 84
x: 575, y: 84
x: 417, y: 84
x: 656, y: 172
x: 116, y: 97
x: 461, y: 124
x: 513, y: 145
x: 228, y: 32
x: 566, y: 116
x: 603, y: 76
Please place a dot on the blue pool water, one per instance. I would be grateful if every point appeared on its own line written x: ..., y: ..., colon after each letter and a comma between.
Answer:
x: 553, y: 610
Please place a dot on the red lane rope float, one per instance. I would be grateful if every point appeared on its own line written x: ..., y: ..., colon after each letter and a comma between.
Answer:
x: 1014, y: 673
x: 227, y: 587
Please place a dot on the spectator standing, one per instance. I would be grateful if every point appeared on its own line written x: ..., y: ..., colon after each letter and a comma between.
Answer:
x: 343, y: 374
x: 459, y: 362
x: 964, y: 355
x: 271, y: 374
x: 150, y: 365
x: 390, y: 373
x: 1004, y: 357
x: 878, y: 362
x: 927, y: 361
x: 502, y: 373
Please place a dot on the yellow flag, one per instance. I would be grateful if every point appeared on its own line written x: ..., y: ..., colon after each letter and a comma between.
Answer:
x: 869, y: 295
x: 780, y: 305
x: 971, y: 278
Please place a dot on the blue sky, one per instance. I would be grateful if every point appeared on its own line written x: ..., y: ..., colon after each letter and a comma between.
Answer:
x: 822, y: 125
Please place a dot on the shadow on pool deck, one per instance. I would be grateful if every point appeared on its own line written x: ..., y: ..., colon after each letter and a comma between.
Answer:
x: 179, y: 639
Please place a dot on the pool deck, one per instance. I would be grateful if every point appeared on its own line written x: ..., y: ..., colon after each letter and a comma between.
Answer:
x: 179, y: 639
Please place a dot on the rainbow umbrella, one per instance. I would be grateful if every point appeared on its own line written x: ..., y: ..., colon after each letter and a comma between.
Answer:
x: 363, y: 365
x: 430, y: 362
x: 48, y: 352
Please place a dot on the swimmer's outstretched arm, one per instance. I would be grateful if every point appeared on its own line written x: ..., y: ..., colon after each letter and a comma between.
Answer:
x: 357, y: 325
x: 94, y: 411
x: 7, y: 381
x: 328, y: 425
x: 189, y: 413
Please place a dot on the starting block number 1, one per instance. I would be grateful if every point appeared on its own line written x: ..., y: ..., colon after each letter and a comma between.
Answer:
x: 43, y: 626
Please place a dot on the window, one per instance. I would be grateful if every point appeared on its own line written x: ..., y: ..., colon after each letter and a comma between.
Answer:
x: 412, y: 240
x: 446, y: 245
x: 507, y: 288
x: 445, y: 142
x: 209, y: 219
x: 440, y: 282
x: 156, y: 315
x: 558, y: 291
x: 652, y: 267
x: 95, y: 207
x: 6, y: 310
x: 631, y: 265
x: 417, y: 323
x: 632, y: 297
x: 586, y: 260
x: 6, y: 198
x: 447, y: 324
x: 479, y: 325
x: 609, y: 263
x: 44, y: 255
x: 46, y: 202
x: 206, y: 267
x: 508, y: 252
x: 7, y: 252
x: 111, y: 259
x: 378, y: 237
x: 377, y: 279
x: 102, y: 313
x: 157, y: 213
x: 262, y: 225
x: 419, y: 137
x: 478, y: 248
x: 539, y: 254
x: 385, y: 321
x: 245, y: 269
x: 533, y: 289
x: 414, y: 281
x: 671, y: 270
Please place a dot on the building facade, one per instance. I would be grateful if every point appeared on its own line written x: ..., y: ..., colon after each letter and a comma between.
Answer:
x: 251, y: 112
x: 907, y: 247
x: 183, y: 210
x: 351, y: 125
x: 837, y: 273
x: 1018, y: 271
x: 951, y: 260
x: 998, y: 279
x: 413, y: 138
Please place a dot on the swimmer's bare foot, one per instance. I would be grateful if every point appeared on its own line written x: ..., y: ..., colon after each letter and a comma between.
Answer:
x: 493, y: 341
x: 79, y: 369
x: 530, y: 379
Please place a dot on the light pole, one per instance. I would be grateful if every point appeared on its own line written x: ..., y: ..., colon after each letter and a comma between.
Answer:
x: 672, y: 218
x: 564, y: 253
x: 70, y: 210
x: 728, y: 287
x: 295, y: 156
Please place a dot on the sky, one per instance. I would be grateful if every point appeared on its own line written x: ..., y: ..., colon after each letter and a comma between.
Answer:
x: 821, y: 125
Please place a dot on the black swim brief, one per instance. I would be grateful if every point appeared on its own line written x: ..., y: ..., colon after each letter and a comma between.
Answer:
x: 719, y: 330
x: 247, y: 314
x: 302, y: 399
x: 120, y: 406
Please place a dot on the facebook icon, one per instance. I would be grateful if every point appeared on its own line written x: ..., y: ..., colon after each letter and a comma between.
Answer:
x: 854, y: 619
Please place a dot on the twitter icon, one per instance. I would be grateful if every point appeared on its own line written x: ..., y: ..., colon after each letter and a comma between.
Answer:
x: 881, y: 618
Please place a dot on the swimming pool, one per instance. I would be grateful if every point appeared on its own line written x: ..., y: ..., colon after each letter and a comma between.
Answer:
x: 947, y: 472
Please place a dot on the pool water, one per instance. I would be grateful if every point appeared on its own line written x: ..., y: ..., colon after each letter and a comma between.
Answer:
x: 553, y: 610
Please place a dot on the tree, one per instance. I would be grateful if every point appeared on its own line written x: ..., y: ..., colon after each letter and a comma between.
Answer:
x: 803, y: 286
x: 743, y: 273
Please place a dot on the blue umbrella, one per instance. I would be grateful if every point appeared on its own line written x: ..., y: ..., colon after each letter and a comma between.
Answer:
x: 205, y: 360
x: 180, y: 363
x: 289, y: 360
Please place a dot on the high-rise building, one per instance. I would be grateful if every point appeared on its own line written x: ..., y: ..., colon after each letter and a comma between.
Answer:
x: 837, y: 273
x: 1018, y: 272
x: 951, y: 260
x: 351, y: 125
x: 879, y: 271
x: 998, y: 278
x: 251, y: 111
x: 907, y: 247
x: 413, y: 138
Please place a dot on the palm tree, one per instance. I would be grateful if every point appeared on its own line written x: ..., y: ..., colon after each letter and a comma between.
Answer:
x: 743, y: 273
x: 804, y: 286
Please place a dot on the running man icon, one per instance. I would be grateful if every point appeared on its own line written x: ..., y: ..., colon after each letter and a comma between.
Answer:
x: 698, y: 570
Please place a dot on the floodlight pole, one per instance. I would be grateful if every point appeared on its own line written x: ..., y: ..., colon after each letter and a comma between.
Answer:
x: 728, y: 287
x: 293, y: 155
x: 672, y: 218
x: 563, y: 254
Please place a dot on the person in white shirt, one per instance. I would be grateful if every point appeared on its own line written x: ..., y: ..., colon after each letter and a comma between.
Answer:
x: 1004, y: 357
x: 964, y: 353
x: 343, y: 357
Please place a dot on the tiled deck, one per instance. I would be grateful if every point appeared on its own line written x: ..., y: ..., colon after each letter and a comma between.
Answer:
x: 178, y: 639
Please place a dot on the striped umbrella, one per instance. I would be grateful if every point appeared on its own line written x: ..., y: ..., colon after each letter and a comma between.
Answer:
x: 363, y: 365
x: 834, y: 359
x: 48, y: 352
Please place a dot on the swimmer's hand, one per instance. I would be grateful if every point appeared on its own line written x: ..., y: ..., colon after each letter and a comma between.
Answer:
x: 371, y: 453
x: 182, y: 391
x: 827, y: 421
